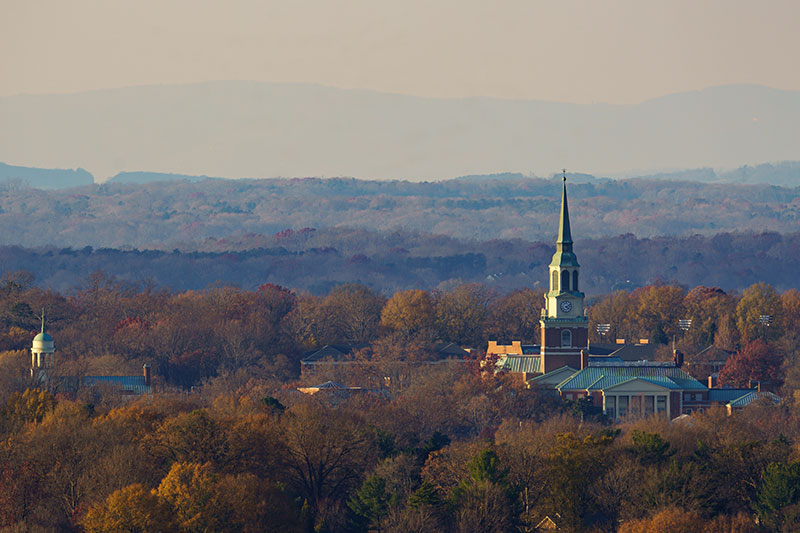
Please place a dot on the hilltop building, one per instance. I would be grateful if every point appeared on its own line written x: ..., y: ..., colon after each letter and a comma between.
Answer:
x: 43, y: 355
x: 623, y: 380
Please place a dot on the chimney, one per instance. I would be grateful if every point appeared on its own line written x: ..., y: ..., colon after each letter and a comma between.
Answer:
x: 620, y: 341
x: 712, y: 381
x: 584, y: 359
x: 516, y: 346
x: 753, y: 384
x: 677, y: 356
x: 146, y: 370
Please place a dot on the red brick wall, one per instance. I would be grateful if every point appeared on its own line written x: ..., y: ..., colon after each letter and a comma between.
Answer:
x: 551, y: 337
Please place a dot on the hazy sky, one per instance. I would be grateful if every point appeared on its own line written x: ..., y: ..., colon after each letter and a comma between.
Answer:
x: 621, y: 51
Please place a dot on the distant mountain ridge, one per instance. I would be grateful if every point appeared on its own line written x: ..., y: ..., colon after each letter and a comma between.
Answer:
x: 250, y: 129
x: 785, y: 173
x: 45, y: 178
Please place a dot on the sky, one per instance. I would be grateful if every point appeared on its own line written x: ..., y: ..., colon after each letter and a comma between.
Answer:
x: 621, y: 51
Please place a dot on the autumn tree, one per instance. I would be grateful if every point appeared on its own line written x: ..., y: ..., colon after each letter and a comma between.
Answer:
x: 515, y: 316
x: 355, y: 312
x: 757, y: 361
x: 132, y: 509
x: 461, y: 314
x: 327, y: 452
x: 660, y: 309
x: 616, y: 309
x: 309, y: 324
x: 190, y: 437
x: 573, y: 463
x: 757, y: 301
x: 672, y: 519
x: 706, y: 307
x: 189, y: 490
x: 272, y: 305
x: 790, y: 312
x: 30, y: 406
x: 409, y: 312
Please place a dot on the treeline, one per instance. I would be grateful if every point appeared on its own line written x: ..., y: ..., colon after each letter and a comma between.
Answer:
x: 167, y: 214
x: 228, y: 335
x: 318, y: 260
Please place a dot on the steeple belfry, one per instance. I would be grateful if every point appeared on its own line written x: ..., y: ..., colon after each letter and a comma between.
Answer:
x: 563, y: 325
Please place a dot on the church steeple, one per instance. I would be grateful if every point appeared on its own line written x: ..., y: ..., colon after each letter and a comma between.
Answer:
x: 564, y: 256
x: 564, y: 298
x: 563, y: 325
x: 564, y: 234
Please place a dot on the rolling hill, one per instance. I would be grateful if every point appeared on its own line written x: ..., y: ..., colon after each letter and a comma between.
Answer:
x: 249, y: 129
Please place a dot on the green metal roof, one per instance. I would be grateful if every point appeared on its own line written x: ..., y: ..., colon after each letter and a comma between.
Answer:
x: 43, y: 337
x: 130, y: 384
x: 531, y: 364
x: 752, y: 396
x: 725, y: 395
x: 564, y: 233
x: 564, y: 255
x: 602, y: 377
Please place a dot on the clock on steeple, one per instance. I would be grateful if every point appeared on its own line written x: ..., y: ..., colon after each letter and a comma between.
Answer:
x: 564, y: 326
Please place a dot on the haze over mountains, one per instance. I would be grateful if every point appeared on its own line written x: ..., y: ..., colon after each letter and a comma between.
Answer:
x: 250, y: 129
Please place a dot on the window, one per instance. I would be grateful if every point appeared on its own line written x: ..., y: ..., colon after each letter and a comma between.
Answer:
x: 555, y: 281
x: 566, y: 338
x: 622, y: 404
x: 661, y: 404
x: 565, y: 281
x: 649, y: 405
x: 611, y: 406
x: 575, y: 281
x: 635, y: 406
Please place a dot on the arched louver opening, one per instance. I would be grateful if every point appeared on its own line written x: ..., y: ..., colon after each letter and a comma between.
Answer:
x: 554, y: 283
x: 575, y: 281
x: 565, y: 280
x: 566, y: 338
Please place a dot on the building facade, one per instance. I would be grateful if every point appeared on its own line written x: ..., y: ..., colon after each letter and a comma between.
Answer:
x: 564, y: 326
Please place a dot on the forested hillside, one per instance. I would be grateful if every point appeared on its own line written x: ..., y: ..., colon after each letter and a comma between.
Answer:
x: 180, y: 214
x: 229, y: 443
x: 314, y: 234
x: 318, y: 260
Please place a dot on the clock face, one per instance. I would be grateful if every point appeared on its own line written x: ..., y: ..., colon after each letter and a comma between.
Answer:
x: 566, y: 306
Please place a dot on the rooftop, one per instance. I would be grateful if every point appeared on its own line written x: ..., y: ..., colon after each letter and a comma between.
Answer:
x: 600, y: 377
